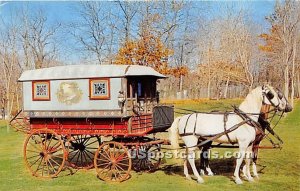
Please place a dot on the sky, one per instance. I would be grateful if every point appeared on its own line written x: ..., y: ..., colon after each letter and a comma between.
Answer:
x: 63, y: 11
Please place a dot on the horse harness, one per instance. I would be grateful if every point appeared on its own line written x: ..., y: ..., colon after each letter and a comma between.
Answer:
x: 205, y: 139
x: 225, y: 121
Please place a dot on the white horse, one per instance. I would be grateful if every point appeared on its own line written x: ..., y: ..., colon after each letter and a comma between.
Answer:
x: 194, y: 126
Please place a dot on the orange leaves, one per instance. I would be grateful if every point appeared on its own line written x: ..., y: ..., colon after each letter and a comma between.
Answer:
x: 265, y: 48
x: 127, y: 53
x: 147, y: 51
x: 271, y: 40
x: 178, y: 71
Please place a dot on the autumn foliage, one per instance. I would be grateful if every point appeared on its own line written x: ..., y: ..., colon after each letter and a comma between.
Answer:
x: 147, y: 51
x: 179, y: 71
x: 272, y: 40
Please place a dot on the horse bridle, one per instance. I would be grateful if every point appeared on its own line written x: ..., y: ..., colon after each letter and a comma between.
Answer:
x: 270, y: 129
x: 269, y: 95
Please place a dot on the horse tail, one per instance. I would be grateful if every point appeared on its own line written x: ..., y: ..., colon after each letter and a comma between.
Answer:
x: 173, y: 133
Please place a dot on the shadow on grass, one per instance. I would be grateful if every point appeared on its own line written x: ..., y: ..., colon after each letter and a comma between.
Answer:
x: 223, y: 167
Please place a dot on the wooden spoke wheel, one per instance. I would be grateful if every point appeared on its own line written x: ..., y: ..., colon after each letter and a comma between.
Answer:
x: 44, y: 153
x: 112, y: 162
x: 82, y: 149
x: 146, y: 158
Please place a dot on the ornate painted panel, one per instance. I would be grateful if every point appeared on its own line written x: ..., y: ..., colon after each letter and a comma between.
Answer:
x: 41, y: 90
x: 72, y: 95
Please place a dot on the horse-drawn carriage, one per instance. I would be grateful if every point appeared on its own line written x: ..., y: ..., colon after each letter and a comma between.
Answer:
x: 92, y: 115
x: 106, y: 116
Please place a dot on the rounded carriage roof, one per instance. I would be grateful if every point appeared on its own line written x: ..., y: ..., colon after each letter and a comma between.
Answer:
x: 88, y: 71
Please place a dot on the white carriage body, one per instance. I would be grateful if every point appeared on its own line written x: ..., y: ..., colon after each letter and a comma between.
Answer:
x: 67, y: 91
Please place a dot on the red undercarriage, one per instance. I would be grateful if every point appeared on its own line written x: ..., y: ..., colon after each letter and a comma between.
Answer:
x: 134, y: 126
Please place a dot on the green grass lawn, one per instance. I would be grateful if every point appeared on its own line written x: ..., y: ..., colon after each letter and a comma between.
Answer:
x: 279, y: 169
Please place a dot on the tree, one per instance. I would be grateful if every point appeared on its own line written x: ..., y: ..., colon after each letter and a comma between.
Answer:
x: 129, y: 10
x: 10, y: 67
x: 89, y: 30
x: 281, y: 43
x: 147, y: 51
x: 227, y: 52
x: 38, y: 39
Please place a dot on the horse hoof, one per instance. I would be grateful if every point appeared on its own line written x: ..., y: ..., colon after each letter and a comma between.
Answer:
x: 256, y: 176
x: 202, y: 173
x: 188, y: 177
x: 209, y: 172
x: 200, y: 181
x: 238, y: 181
x: 250, y: 179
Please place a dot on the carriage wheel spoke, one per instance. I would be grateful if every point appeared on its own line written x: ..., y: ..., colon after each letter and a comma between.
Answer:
x: 91, y: 143
x: 74, y: 156
x: 54, y: 170
x: 32, y: 151
x: 34, y: 146
x: 54, y: 161
x: 33, y: 156
x: 148, y: 163
x: 80, y: 153
x: 50, y: 141
x: 43, y: 169
x: 107, y: 156
x: 35, y: 161
x: 38, y: 165
x: 87, y: 154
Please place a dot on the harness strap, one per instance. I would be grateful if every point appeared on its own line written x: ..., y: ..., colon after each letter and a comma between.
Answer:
x: 195, y: 124
x: 216, y: 136
x: 187, y: 122
x: 226, y: 133
x: 251, y: 122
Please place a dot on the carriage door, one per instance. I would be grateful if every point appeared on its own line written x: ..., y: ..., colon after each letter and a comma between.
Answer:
x: 141, y: 94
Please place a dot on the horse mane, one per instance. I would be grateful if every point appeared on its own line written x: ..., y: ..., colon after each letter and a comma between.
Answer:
x: 253, y: 101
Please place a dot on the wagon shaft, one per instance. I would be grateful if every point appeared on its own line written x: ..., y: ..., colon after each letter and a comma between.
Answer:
x: 20, y: 122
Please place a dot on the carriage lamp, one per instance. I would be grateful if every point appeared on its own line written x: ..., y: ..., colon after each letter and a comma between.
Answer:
x: 121, y: 97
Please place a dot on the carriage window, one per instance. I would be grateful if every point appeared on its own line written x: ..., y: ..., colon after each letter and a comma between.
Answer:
x: 140, y: 89
x: 99, y: 89
x: 41, y: 90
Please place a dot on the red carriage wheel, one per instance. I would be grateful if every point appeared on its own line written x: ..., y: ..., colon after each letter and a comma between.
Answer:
x: 112, y: 162
x: 146, y: 158
x: 44, y: 153
x: 82, y: 150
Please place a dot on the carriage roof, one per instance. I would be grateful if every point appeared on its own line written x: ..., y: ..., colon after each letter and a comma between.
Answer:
x: 88, y: 71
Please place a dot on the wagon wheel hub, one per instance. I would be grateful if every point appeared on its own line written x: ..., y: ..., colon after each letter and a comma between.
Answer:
x: 42, y: 154
x: 45, y: 155
x: 81, y: 147
x: 113, y: 161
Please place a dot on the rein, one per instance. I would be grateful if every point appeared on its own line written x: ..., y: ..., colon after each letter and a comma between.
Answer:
x: 213, y: 112
x: 271, y: 130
